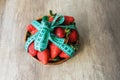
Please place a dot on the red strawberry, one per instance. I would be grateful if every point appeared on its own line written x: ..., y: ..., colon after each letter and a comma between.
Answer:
x: 50, y: 59
x: 51, y: 18
x: 31, y: 29
x: 34, y: 31
x: 31, y: 50
x: 60, y: 32
x: 64, y: 55
x: 43, y: 56
x: 68, y: 20
x: 54, y: 50
x: 73, y: 36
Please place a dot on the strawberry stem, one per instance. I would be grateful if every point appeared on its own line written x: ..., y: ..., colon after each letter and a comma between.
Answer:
x: 67, y: 30
x: 51, y: 13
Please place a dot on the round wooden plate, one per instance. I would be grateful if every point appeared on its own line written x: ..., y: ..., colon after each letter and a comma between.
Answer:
x: 49, y: 62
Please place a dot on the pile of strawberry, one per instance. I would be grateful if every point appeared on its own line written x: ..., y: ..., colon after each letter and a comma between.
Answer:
x: 53, y: 53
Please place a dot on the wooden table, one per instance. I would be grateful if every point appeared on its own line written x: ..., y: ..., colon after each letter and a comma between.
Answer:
x: 98, y: 23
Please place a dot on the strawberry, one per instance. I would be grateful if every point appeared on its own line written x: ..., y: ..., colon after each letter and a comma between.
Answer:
x: 43, y: 56
x: 31, y: 29
x: 54, y: 50
x: 60, y: 32
x: 73, y: 36
x: 68, y: 20
x: 34, y: 31
x: 50, y: 59
x: 64, y: 55
x: 31, y: 50
x: 51, y: 18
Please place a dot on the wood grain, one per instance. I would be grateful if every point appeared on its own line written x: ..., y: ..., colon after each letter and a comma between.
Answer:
x: 98, y: 23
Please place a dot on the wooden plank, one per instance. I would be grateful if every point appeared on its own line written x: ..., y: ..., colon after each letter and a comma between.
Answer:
x: 98, y: 23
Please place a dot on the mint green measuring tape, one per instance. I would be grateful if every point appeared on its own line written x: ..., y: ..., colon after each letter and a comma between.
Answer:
x: 45, y: 33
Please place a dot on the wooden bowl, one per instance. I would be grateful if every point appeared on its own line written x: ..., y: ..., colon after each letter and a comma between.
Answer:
x: 49, y: 62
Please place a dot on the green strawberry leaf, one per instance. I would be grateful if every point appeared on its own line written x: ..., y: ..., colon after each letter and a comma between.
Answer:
x: 45, y: 18
x: 57, y: 59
